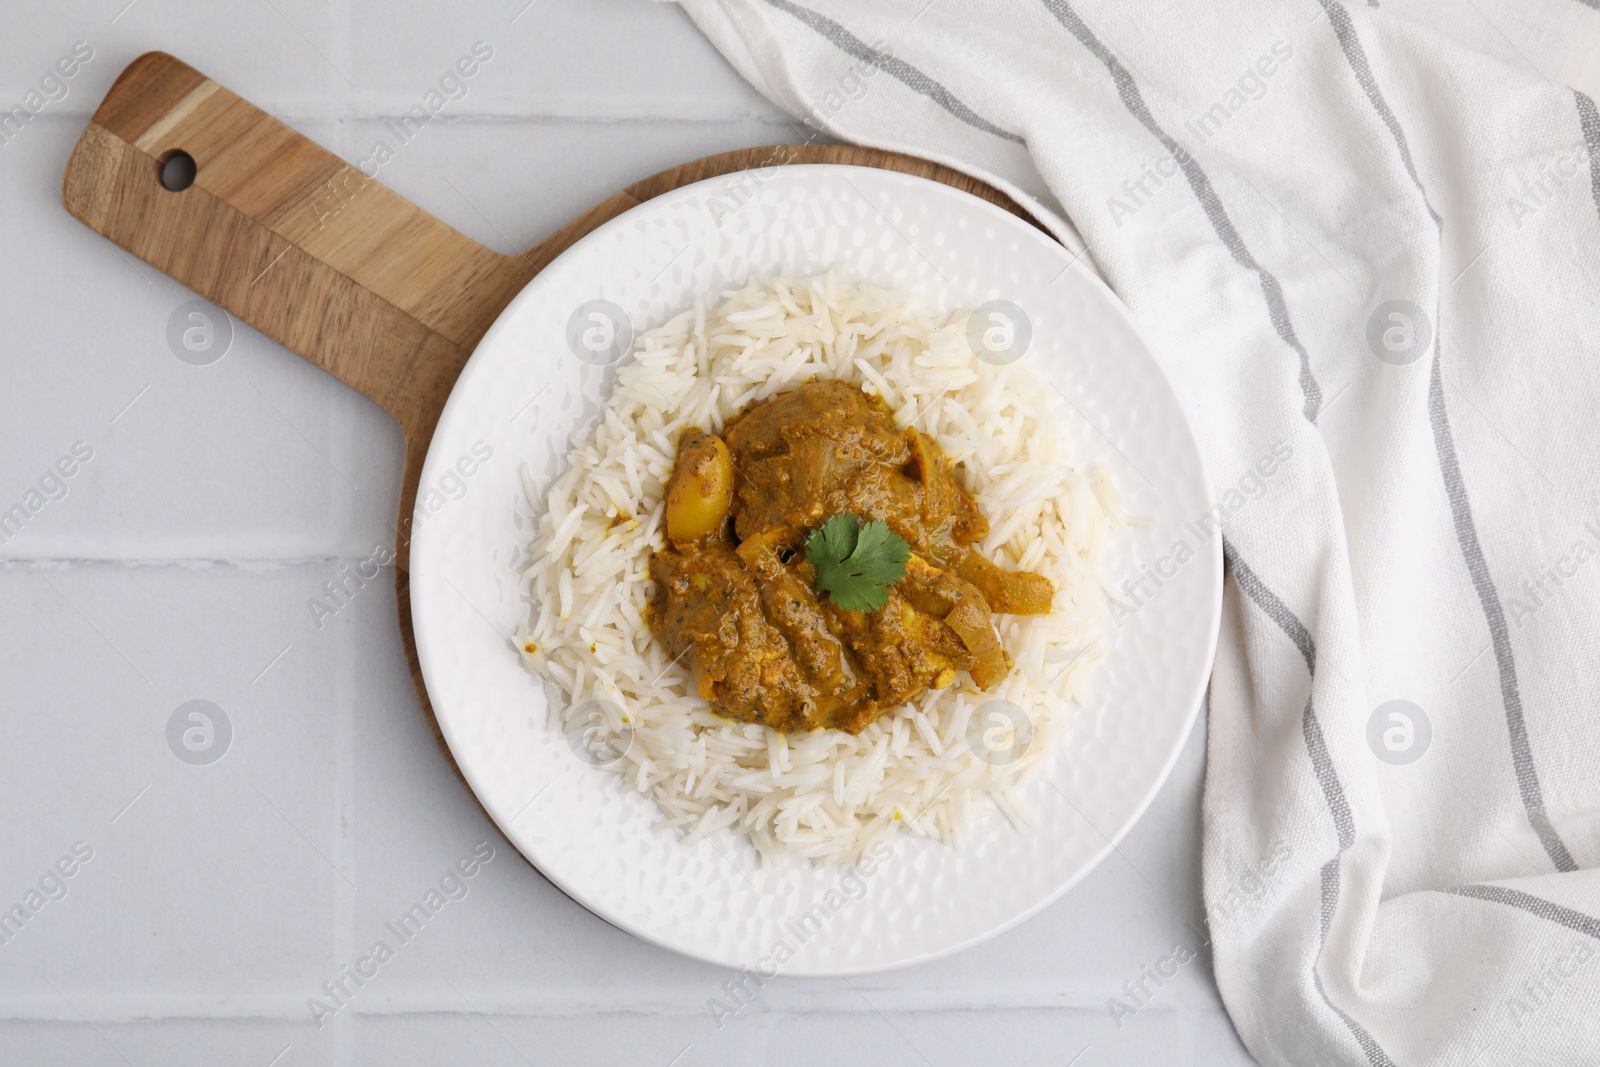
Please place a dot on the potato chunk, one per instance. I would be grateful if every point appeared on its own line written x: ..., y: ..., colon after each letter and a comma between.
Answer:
x: 701, y: 488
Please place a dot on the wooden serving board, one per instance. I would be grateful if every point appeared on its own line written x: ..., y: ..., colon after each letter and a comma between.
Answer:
x: 291, y: 239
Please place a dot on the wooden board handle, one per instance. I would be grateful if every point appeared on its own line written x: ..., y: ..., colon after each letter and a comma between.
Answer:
x: 291, y: 239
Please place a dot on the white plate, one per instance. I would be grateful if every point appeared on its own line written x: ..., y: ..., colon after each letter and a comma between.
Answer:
x: 522, y: 397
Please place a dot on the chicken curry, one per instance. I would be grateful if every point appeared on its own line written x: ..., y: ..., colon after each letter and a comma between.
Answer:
x: 737, y: 585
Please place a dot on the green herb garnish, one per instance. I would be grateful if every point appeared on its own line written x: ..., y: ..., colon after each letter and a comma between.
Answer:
x: 856, y: 564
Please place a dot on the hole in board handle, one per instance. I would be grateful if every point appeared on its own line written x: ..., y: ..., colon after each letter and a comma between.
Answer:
x: 177, y: 171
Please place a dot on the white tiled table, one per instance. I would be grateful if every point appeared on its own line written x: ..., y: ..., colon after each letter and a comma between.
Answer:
x: 178, y: 565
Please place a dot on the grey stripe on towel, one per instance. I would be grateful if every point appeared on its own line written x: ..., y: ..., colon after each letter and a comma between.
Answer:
x: 1330, y: 901
x: 1544, y: 909
x: 1510, y: 694
x: 1356, y: 56
x: 898, y: 69
x: 1455, y: 486
x: 1133, y: 100
x: 1327, y: 777
x: 1589, y: 119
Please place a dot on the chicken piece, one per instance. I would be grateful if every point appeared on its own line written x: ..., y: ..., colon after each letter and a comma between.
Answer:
x: 708, y: 609
x: 787, y: 599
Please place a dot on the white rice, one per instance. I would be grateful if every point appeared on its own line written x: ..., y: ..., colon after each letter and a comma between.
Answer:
x: 824, y: 795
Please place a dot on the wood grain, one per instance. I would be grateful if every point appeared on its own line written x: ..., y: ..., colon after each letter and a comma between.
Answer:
x: 315, y: 254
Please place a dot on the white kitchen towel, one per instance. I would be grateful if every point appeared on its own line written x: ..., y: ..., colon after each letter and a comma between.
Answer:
x: 1366, y: 240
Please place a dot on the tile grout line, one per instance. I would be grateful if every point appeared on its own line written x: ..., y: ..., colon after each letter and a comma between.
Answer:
x: 366, y: 113
x: 345, y: 687
x: 244, y: 563
x: 534, y: 1007
x: 345, y: 691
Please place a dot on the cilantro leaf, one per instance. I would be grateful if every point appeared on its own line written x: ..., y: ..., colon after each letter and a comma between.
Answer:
x: 857, y: 563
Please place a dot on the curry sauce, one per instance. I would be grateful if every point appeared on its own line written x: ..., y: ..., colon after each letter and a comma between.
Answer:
x: 737, y: 600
